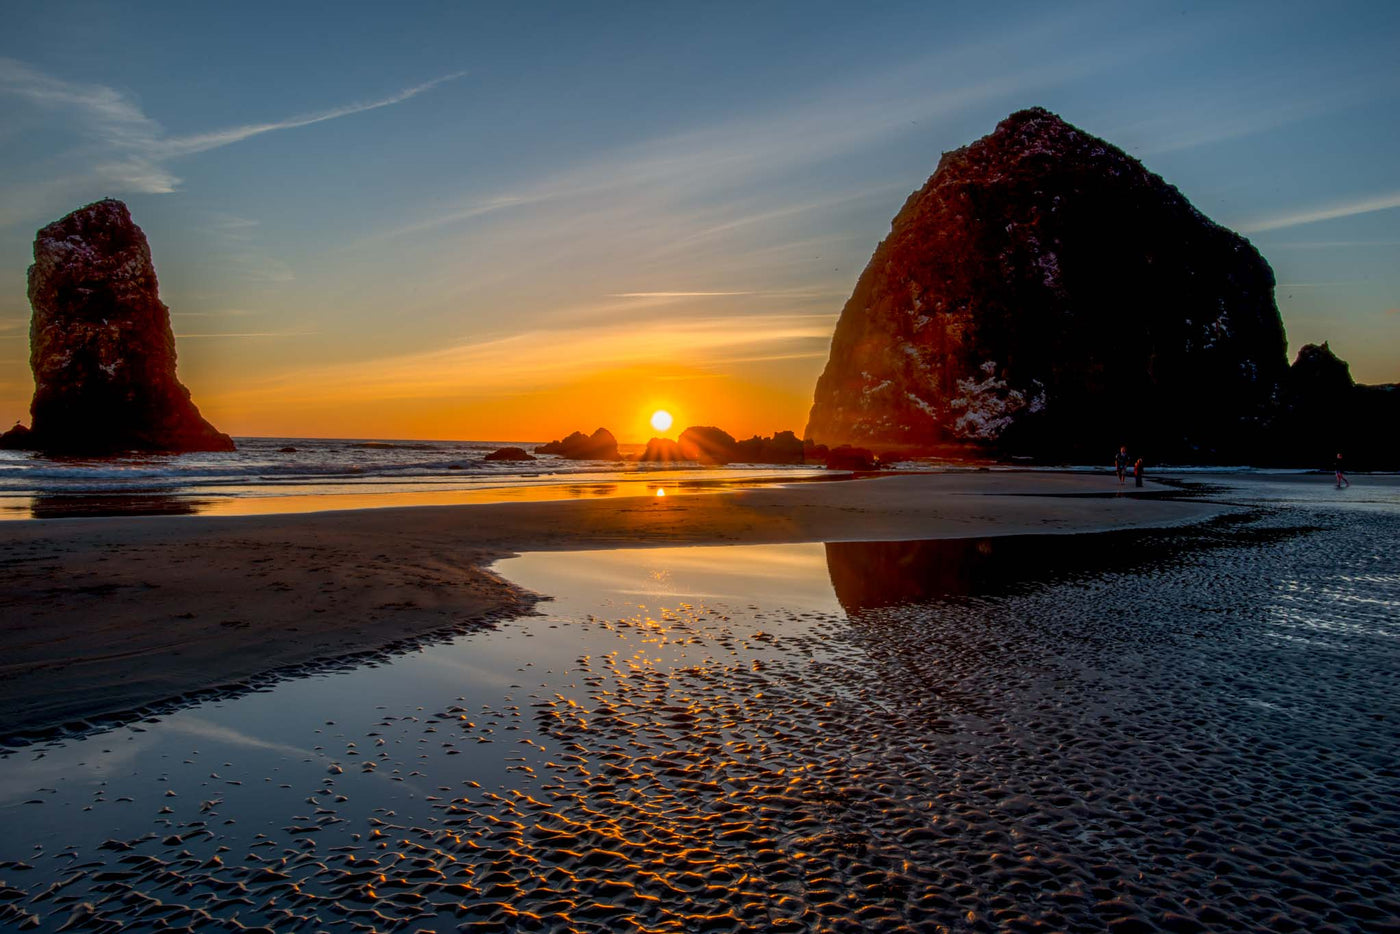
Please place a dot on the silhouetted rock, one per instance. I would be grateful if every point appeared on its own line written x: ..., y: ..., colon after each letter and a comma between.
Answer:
x: 1320, y: 376
x: 709, y: 445
x: 287, y: 450
x: 706, y: 445
x: 1374, y: 442
x: 100, y: 344
x: 509, y: 454
x: 18, y: 438
x: 1045, y: 294
x: 1326, y: 412
x: 661, y: 451
x: 783, y: 448
x: 599, y: 446
x: 846, y: 457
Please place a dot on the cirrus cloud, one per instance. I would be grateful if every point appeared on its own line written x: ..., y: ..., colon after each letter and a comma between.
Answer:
x: 99, y: 141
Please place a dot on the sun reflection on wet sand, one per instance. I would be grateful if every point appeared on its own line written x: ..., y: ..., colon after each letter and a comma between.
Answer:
x: 301, y: 498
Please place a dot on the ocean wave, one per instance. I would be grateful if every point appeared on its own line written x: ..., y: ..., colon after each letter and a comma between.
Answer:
x: 269, y: 466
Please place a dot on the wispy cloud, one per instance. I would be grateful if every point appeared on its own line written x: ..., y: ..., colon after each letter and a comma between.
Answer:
x: 241, y: 251
x: 120, y: 149
x: 197, y: 335
x: 1330, y: 244
x: 215, y: 732
x: 202, y: 142
x: 674, y: 294
x: 1236, y: 112
x: 725, y: 203
x: 109, y: 121
x: 535, y: 359
x: 698, y: 164
x: 1368, y: 205
x: 455, y: 216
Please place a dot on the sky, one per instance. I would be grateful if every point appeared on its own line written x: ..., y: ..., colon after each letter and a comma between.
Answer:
x: 511, y: 221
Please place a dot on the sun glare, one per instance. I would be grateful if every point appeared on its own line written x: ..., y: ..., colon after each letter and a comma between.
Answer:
x: 661, y: 420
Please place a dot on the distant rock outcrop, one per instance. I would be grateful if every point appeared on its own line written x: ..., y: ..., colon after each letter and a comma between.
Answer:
x: 1325, y: 412
x: 783, y: 448
x: 101, y: 347
x: 1045, y: 294
x: 661, y: 451
x: 509, y: 454
x: 709, y: 445
x: 599, y: 446
x: 706, y: 445
x: 18, y: 438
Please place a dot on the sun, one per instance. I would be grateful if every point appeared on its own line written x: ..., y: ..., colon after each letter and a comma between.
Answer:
x: 661, y: 420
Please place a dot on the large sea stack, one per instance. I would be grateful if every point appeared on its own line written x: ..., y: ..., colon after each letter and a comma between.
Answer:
x: 1044, y: 294
x: 101, y: 347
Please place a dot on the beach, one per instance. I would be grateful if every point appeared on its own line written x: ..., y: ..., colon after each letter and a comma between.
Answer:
x: 523, y: 469
x: 109, y: 615
x: 975, y: 701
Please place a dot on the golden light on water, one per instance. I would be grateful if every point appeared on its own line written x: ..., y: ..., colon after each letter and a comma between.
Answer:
x: 661, y: 420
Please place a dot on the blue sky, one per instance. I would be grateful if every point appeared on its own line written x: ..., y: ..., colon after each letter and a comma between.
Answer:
x: 446, y: 219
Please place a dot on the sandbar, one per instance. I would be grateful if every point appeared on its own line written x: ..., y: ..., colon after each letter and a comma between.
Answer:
x: 107, y: 616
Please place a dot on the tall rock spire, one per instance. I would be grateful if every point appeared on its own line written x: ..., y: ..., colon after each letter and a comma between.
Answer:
x: 100, y: 344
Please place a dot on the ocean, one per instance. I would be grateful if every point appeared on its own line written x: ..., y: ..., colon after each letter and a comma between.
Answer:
x: 275, y: 475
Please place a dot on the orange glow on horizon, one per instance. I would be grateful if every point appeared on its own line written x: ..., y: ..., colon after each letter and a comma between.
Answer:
x: 621, y: 400
x: 745, y: 375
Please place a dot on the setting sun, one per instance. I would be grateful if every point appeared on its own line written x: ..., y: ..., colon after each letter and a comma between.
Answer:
x: 661, y: 420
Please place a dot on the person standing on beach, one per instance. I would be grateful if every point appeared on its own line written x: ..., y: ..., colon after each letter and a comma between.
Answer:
x: 1120, y: 463
x: 1137, y: 472
x: 1341, y: 477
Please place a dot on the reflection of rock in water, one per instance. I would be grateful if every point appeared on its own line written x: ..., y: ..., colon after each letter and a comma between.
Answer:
x: 867, y: 575
x: 875, y: 574
x: 90, y: 507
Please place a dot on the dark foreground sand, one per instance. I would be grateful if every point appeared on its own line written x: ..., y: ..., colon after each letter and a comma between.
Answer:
x: 106, y: 615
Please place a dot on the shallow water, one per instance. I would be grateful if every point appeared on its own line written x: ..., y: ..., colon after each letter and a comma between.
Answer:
x: 284, y: 475
x: 1178, y: 730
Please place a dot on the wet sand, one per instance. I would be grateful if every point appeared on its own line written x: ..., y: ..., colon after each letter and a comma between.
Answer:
x: 106, y: 616
x: 1188, y: 729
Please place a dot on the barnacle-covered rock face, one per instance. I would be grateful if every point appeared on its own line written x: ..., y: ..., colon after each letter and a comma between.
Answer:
x: 100, y: 344
x: 1045, y: 294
